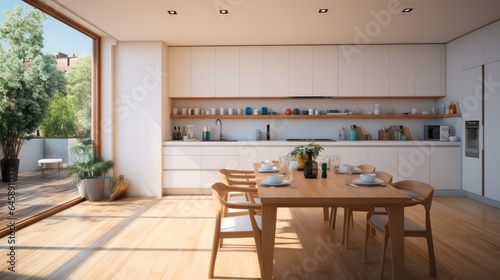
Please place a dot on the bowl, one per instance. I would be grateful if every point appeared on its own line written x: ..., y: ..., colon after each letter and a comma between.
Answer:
x: 347, y: 167
x: 367, y: 177
x: 275, y: 179
x: 266, y: 166
x: 453, y: 138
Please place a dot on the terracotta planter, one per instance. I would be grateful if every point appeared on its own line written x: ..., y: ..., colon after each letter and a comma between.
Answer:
x: 94, y: 188
x: 10, y: 169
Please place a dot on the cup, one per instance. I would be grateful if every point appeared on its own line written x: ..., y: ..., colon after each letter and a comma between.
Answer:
x: 367, y: 177
x: 255, y: 111
x: 248, y: 111
x: 347, y: 167
x: 275, y: 179
x: 175, y: 111
x: 189, y: 111
x: 414, y: 111
x: 213, y: 111
x: 221, y: 111
x: 388, y: 111
x: 266, y: 166
x: 239, y: 111
x: 335, y: 162
x: 433, y: 110
x: 284, y: 164
x: 196, y: 111
x: 453, y: 138
x: 207, y: 112
x: 311, y: 111
x: 376, y: 112
x: 183, y: 111
x: 263, y: 110
x: 230, y: 111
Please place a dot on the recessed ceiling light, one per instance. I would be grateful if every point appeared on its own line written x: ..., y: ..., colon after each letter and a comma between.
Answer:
x: 172, y: 12
x: 407, y: 10
x: 323, y: 11
x: 224, y: 12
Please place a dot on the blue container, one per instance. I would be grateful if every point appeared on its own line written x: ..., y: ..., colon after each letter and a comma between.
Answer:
x: 263, y: 110
x: 248, y: 111
x: 353, y: 135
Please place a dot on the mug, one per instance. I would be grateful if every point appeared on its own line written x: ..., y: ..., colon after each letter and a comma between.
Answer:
x: 175, y: 111
x: 263, y: 110
x: 248, y: 111
x: 230, y: 111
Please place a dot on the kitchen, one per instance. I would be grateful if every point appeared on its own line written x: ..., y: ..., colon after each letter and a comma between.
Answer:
x: 137, y: 134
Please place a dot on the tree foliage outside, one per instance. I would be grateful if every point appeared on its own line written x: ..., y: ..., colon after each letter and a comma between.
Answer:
x: 28, y: 78
x: 79, y: 91
x: 61, y: 120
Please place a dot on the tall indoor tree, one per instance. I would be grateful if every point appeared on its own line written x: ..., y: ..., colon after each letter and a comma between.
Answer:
x: 28, y: 79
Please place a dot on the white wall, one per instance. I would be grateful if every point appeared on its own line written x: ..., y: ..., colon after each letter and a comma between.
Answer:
x: 137, y: 115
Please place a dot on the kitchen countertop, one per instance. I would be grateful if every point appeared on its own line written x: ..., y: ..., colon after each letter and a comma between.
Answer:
x: 278, y: 143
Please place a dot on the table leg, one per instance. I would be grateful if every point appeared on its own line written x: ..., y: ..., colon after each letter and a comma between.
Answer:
x: 269, y: 212
x: 396, y: 228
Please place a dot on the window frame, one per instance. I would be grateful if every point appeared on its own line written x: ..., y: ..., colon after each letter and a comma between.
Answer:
x: 96, y: 65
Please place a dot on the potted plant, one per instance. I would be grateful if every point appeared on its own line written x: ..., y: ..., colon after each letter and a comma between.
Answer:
x: 88, y: 170
x: 300, y: 153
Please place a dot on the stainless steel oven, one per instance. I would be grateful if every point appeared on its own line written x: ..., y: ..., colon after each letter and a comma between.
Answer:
x: 472, y: 139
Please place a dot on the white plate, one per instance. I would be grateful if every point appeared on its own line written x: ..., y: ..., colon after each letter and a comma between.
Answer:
x: 284, y: 183
x: 275, y: 169
x: 361, y: 183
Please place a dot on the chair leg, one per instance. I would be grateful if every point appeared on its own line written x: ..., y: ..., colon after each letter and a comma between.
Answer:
x: 333, y: 217
x: 325, y: 213
x: 384, y: 249
x: 213, y: 255
x: 432, y: 258
x: 367, y: 234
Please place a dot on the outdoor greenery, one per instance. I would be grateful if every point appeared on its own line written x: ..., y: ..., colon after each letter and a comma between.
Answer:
x: 86, y: 163
x: 61, y: 120
x: 28, y: 78
x: 79, y: 92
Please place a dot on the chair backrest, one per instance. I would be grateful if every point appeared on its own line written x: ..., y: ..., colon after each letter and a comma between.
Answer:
x: 232, y: 177
x: 420, y: 192
x: 366, y: 168
x: 384, y: 176
x: 219, y: 194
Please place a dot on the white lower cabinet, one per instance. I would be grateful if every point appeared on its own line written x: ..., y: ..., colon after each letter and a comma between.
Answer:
x: 445, y: 162
x: 413, y: 163
x: 384, y: 159
x: 248, y: 154
x: 196, y: 167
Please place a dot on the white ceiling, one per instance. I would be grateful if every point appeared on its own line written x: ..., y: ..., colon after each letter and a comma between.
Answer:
x: 276, y: 22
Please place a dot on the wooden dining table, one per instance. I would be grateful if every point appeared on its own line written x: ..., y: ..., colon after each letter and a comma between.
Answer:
x: 330, y: 191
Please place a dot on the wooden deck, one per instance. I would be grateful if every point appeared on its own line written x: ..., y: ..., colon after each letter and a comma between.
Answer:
x: 35, y: 194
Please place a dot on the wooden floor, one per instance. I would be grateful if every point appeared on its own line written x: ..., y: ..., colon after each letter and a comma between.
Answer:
x: 35, y: 194
x: 170, y: 238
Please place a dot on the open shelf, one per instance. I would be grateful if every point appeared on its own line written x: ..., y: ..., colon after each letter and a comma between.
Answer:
x: 363, y: 116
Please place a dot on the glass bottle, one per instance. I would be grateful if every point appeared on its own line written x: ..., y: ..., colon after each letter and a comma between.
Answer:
x: 174, y: 134
x: 310, y: 166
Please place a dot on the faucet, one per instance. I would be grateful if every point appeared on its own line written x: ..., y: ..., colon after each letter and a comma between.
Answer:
x: 220, y: 131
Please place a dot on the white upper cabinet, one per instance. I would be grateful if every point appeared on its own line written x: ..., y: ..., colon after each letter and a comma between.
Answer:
x: 376, y: 70
x: 350, y: 70
x: 402, y: 70
x: 251, y: 71
x: 300, y: 71
x: 275, y: 71
x: 179, y: 72
x: 227, y: 71
x: 492, y: 42
x: 472, y: 49
x: 428, y: 70
x: 325, y: 70
x: 203, y: 72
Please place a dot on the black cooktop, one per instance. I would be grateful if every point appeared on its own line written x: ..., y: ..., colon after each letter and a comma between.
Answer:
x: 311, y: 139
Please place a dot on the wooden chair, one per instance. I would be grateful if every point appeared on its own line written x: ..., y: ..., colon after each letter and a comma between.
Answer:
x: 348, y: 218
x: 238, y: 178
x: 422, y: 194
x: 365, y: 168
x: 233, y: 227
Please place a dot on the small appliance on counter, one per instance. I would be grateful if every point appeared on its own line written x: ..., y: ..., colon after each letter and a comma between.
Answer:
x: 436, y: 132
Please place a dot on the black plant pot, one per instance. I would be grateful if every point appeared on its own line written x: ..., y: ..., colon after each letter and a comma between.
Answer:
x: 10, y: 168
